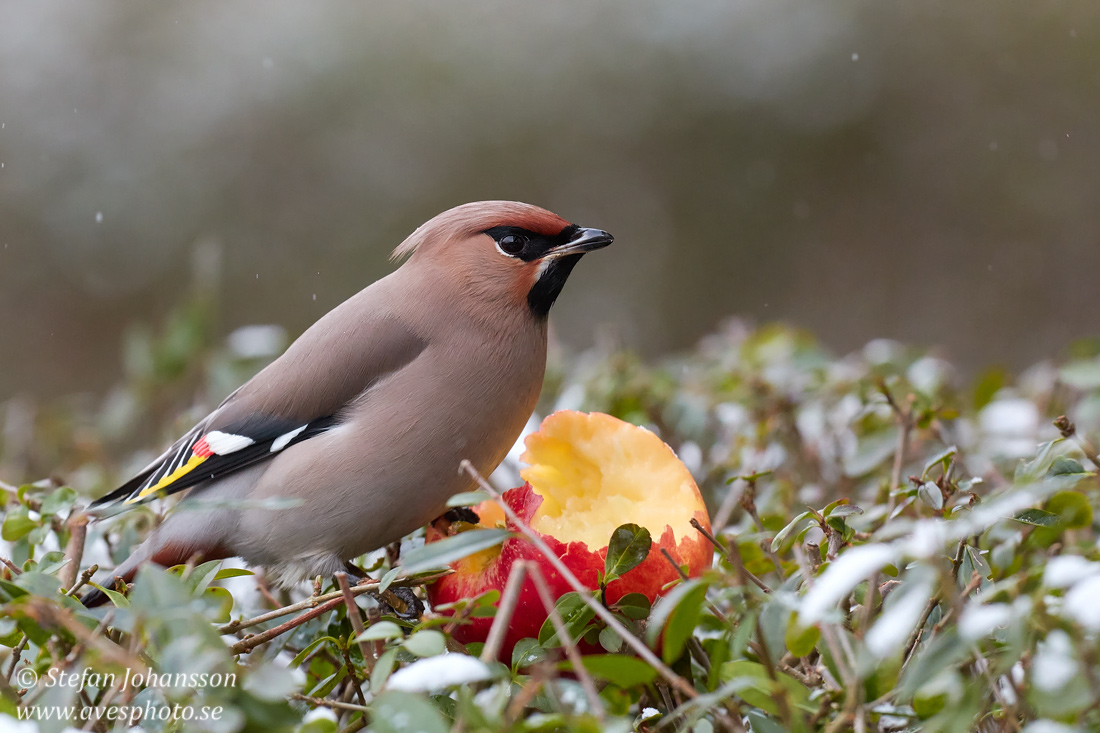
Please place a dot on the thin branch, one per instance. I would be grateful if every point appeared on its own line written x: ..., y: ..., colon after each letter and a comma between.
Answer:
x: 254, y: 640
x: 334, y: 704
x: 82, y: 580
x: 567, y: 642
x: 356, y: 621
x: 505, y: 609
x: 726, y: 553
x: 1069, y: 430
x: 74, y: 549
x: 362, y: 587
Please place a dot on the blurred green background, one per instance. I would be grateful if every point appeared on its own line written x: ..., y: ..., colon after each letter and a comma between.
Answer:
x: 925, y: 171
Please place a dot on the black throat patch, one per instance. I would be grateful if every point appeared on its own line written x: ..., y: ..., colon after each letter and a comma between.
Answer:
x: 548, y: 287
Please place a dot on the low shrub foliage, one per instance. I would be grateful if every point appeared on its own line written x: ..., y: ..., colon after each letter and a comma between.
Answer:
x: 897, y: 549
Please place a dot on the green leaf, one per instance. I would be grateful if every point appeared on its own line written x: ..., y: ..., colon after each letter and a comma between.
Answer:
x: 758, y: 688
x: 232, y: 573
x: 940, y: 653
x: 943, y: 458
x: 448, y: 550
x: 1072, y: 507
x: 794, y: 524
x: 677, y: 615
x: 618, y: 669
x: 575, y: 615
x: 383, y: 668
x: 931, y: 495
x: 610, y: 639
x: 380, y: 630
x: 844, y: 510
x: 301, y: 656
x: 401, y: 712
x: 58, y: 501
x: 427, y: 643
x: 801, y: 640
x: 222, y: 599
x: 328, y: 684
x: 628, y: 548
x: 1063, y: 466
x: 1037, y: 467
x: 526, y: 652
x: 202, y: 575
x: 1038, y: 518
x: 634, y: 606
x: 761, y: 723
x: 17, y: 524
x: 468, y: 498
x: 388, y: 578
x: 117, y: 598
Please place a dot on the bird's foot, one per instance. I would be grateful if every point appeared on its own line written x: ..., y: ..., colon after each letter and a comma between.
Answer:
x: 461, y: 514
x: 401, y: 602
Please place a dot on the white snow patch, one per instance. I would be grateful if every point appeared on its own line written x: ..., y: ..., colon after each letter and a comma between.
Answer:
x: 1010, y: 426
x: 1054, y: 665
x: 1065, y: 570
x: 979, y: 620
x: 319, y: 714
x: 1013, y: 417
x: 436, y: 673
x: 889, y: 634
x: 926, y: 539
x: 842, y: 575
x: 1081, y: 603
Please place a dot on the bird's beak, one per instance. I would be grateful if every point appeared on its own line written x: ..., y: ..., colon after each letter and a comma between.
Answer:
x: 585, y: 240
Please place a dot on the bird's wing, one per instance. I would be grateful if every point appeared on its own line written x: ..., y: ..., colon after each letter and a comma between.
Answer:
x: 298, y: 396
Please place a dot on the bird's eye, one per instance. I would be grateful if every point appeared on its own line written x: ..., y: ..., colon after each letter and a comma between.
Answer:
x: 512, y: 244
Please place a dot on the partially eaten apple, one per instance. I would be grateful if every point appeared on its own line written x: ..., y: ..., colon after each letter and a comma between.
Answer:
x: 587, y: 474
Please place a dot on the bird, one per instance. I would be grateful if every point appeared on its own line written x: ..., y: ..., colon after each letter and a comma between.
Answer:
x: 353, y: 437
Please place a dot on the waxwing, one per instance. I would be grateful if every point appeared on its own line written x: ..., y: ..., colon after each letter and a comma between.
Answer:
x: 353, y: 437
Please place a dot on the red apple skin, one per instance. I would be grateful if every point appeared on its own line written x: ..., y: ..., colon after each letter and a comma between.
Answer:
x: 472, y: 578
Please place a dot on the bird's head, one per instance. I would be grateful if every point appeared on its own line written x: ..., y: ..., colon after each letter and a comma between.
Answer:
x: 503, y: 250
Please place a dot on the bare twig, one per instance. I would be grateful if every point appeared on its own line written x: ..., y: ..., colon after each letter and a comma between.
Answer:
x: 932, y: 602
x: 505, y: 609
x: 363, y: 587
x: 82, y: 580
x: 334, y: 704
x: 905, y: 427
x: 254, y: 640
x: 567, y: 641
x: 74, y: 549
x: 1069, y: 430
x: 353, y: 676
x: 356, y: 621
x: 742, y: 570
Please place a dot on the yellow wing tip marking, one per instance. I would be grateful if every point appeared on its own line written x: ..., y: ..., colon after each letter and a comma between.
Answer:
x: 171, y: 478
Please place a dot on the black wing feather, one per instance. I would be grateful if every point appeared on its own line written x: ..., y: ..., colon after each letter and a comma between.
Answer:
x: 216, y: 466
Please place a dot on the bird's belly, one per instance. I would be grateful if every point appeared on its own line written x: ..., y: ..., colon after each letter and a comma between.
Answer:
x: 387, y: 470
